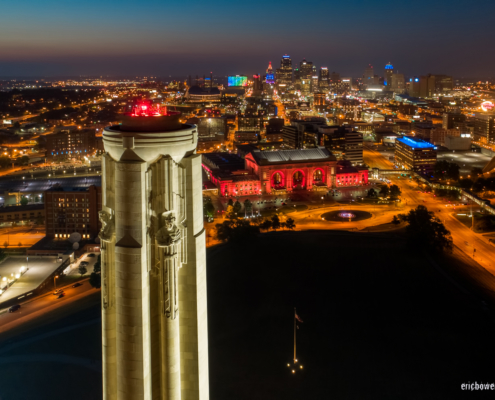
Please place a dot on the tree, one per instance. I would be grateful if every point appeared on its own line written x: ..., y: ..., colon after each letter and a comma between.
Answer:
x: 24, y: 201
x: 448, y: 193
x: 5, y: 244
x: 248, y: 207
x: 97, y: 266
x: 275, y: 222
x: 384, y: 190
x: 266, y: 225
x: 372, y: 193
x: 239, y: 231
x: 290, y: 224
x: 446, y: 170
x: 466, y: 184
x: 82, y: 269
x: 396, y: 220
x: 230, y: 211
x: 230, y: 203
x: 208, y: 207
x: 19, y: 244
x: 395, y: 191
x: 5, y: 161
x: 237, y: 207
x: 485, y: 223
x: 475, y: 171
x: 95, y: 280
x: 224, y: 231
x: 283, y: 225
x: 425, y: 231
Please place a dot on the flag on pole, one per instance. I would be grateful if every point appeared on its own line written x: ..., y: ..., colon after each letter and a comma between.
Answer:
x: 298, y: 318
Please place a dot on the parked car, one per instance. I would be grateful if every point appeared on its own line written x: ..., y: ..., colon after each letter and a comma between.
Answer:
x: 14, y: 308
x: 91, y: 255
x: 76, y: 284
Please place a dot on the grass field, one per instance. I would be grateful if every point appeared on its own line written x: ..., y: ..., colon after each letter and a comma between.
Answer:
x: 380, y: 322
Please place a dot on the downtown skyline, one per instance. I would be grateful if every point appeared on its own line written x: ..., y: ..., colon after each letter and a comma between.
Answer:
x: 119, y: 39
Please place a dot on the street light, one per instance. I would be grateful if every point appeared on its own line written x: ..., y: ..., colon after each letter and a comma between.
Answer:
x: 55, y: 282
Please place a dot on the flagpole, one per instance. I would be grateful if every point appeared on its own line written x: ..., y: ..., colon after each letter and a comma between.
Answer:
x: 294, y: 335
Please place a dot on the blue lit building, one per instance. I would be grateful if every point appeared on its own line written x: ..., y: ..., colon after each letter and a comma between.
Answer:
x: 389, y: 71
x: 415, y: 154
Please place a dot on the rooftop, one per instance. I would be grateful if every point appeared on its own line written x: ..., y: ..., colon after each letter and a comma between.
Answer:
x: 223, y: 161
x: 290, y: 156
x: 40, y: 185
x: 415, y: 143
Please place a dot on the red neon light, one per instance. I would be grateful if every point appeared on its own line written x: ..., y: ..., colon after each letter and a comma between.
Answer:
x: 148, y: 110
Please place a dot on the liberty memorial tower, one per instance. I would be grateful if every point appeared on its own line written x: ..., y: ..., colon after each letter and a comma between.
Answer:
x: 155, y: 339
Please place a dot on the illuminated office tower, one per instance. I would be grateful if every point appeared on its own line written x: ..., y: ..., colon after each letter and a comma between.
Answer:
x: 284, y: 73
x: 324, y: 75
x: 154, y: 316
x: 314, y: 84
x: 389, y: 71
x: 306, y: 69
x: 270, y: 77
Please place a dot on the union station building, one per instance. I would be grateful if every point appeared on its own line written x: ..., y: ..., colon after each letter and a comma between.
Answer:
x: 278, y: 172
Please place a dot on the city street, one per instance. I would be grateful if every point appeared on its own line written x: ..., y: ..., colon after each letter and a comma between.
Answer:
x: 464, y: 238
x: 39, y: 306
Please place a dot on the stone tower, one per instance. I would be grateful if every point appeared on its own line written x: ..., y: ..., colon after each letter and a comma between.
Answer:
x: 155, y: 339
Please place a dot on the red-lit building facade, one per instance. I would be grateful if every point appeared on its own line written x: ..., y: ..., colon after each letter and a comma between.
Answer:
x: 283, y: 171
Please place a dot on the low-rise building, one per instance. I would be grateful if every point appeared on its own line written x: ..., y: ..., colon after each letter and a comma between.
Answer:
x: 14, y: 215
x: 69, y: 210
x: 72, y: 144
x: 283, y: 171
x: 415, y: 154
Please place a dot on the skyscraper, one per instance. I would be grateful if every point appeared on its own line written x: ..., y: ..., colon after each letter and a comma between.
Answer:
x: 306, y: 69
x: 324, y: 75
x: 154, y: 315
x: 389, y: 71
x: 284, y: 73
x: 270, y: 77
x: 398, y: 83
x: 314, y: 84
x: 369, y: 74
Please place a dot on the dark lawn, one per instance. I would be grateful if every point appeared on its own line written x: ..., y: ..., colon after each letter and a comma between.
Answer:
x: 379, y: 323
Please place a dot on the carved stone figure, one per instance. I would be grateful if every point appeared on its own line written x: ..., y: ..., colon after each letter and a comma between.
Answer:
x: 107, y: 225
x: 169, y: 234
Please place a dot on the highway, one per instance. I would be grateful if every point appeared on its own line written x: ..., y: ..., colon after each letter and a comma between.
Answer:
x: 41, y: 305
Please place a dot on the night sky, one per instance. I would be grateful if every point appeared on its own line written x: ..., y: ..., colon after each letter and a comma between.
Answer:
x: 123, y: 37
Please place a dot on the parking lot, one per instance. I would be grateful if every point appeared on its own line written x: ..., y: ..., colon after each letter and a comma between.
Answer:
x: 74, y: 269
x: 466, y: 160
x: 38, y: 269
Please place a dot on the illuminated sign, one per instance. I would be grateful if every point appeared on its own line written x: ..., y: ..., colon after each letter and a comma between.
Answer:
x: 487, y: 106
x: 237, y: 80
x: 7, y: 121
x: 270, y: 78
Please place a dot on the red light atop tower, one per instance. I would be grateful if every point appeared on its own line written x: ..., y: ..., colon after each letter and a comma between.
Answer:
x: 146, y: 108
